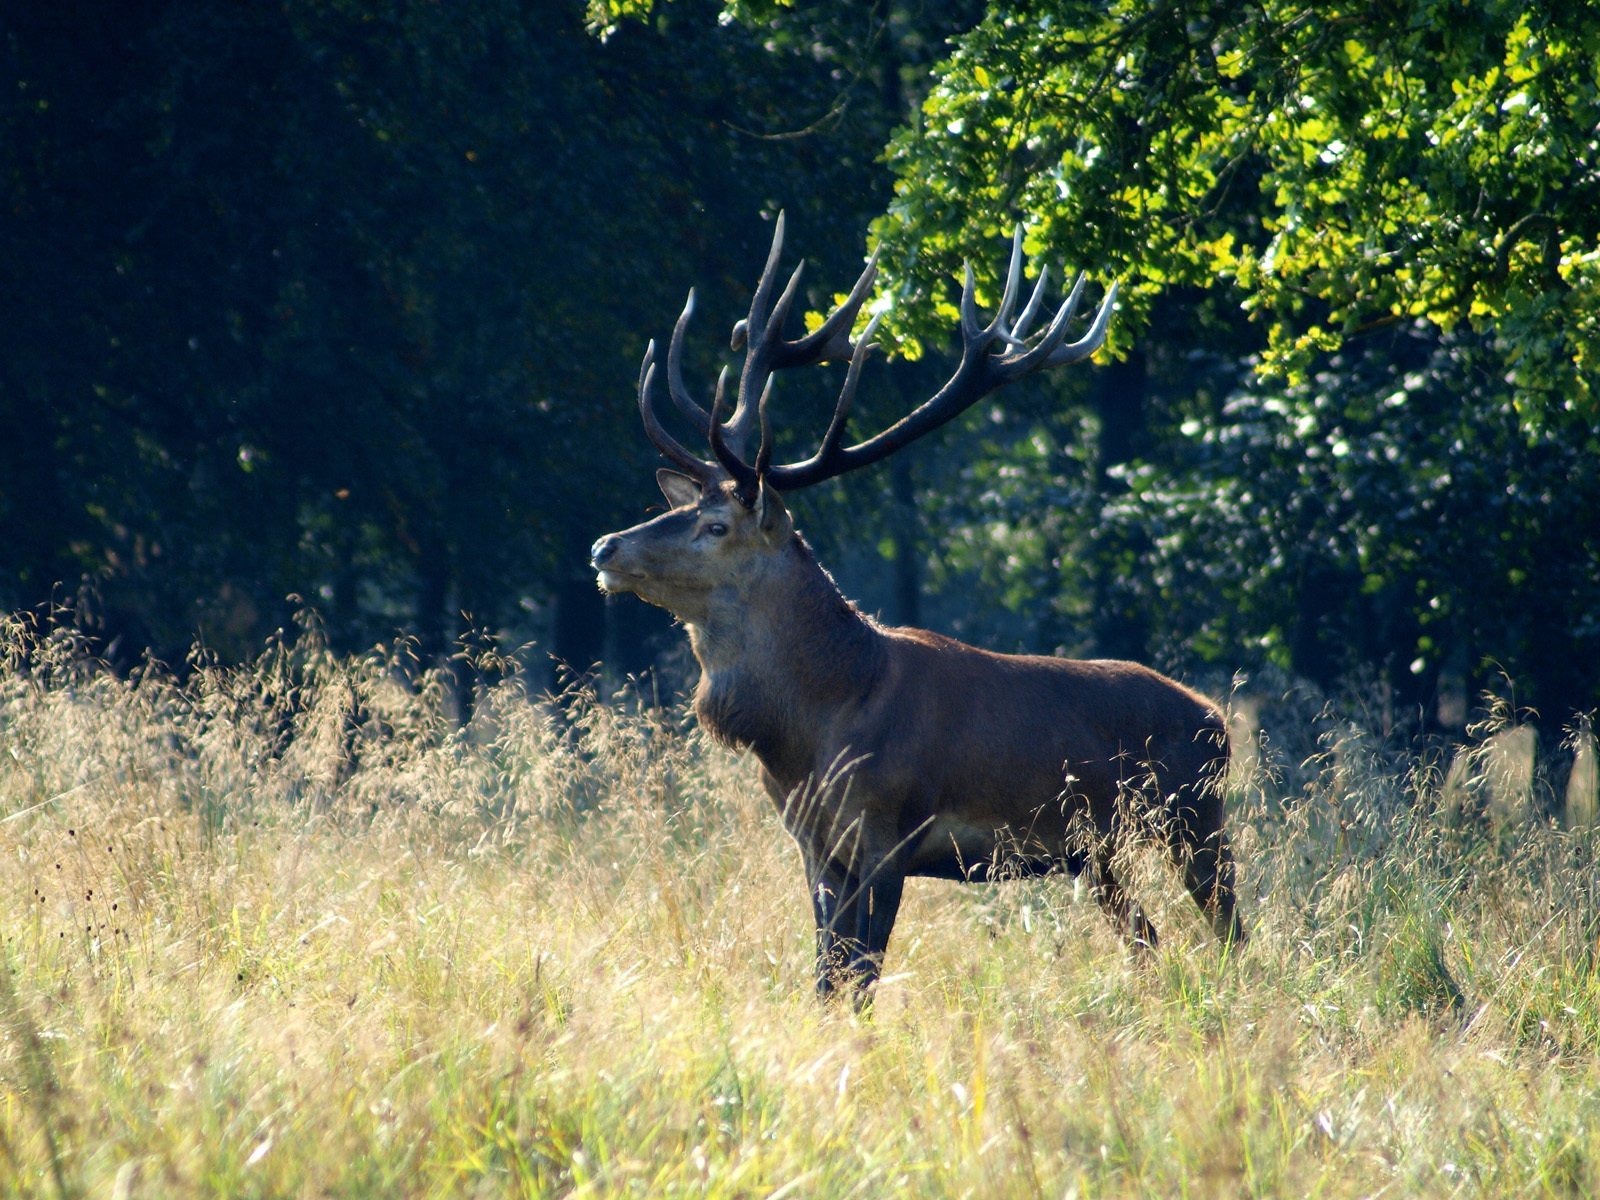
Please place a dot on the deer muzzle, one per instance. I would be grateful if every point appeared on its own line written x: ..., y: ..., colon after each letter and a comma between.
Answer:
x: 605, y: 551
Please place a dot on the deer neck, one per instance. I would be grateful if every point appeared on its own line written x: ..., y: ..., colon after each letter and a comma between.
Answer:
x: 778, y: 652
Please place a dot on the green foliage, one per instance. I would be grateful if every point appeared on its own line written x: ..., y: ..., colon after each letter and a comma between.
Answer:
x: 1342, y: 171
x: 1358, y: 252
x: 1367, y: 515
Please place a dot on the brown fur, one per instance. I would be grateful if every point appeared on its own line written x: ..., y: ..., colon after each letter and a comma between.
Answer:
x: 897, y: 752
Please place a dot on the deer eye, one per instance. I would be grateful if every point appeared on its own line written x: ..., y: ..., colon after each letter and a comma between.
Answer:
x: 717, y: 529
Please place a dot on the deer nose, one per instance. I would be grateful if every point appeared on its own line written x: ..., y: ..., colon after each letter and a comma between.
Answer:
x: 604, y: 549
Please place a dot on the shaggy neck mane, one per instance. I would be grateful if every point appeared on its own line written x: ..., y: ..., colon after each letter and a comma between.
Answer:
x: 778, y: 653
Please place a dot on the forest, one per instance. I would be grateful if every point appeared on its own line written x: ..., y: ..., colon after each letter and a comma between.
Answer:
x: 338, y: 307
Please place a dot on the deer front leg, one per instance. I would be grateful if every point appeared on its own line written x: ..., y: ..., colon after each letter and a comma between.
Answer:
x: 831, y: 888
x: 855, y: 913
x: 1198, y: 846
x: 852, y: 919
x: 1126, y: 916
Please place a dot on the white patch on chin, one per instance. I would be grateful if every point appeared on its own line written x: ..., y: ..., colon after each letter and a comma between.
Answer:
x: 610, y: 581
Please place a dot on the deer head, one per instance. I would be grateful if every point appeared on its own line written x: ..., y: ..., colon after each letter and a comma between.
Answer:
x: 711, y: 538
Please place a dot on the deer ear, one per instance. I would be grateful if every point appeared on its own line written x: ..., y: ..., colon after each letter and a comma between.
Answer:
x: 679, y: 489
x: 772, y: 516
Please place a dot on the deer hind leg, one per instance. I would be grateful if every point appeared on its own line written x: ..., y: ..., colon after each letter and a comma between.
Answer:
x: 1126, y: 916
x: 1198, y: 845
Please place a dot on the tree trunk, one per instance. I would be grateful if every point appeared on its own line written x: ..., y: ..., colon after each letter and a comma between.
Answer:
x: 905, y: 532
x: 1120, y: 629
x: 578, y: 631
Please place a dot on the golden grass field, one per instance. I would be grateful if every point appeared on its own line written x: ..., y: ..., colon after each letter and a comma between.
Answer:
x: 286, y: 930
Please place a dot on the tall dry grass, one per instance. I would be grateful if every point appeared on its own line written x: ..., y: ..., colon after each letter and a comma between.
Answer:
x: 286, y: 930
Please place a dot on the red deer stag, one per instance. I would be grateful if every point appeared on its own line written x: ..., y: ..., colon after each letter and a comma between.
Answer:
x: 897, y: 752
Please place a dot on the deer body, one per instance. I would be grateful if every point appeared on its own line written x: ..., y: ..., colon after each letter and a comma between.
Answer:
x: 900, y: 752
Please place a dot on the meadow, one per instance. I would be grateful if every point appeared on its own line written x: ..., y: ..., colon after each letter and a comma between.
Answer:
x: 289, y: 929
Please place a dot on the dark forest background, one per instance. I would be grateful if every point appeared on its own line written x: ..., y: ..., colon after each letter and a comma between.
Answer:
x: 339, y: 305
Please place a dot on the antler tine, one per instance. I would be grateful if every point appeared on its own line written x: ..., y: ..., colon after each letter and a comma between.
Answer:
x: 970, y: 329
x: 755, y: 334
x: 741, y: 328
x: 831, y: 339
x: 668, y: 445
x: 1030, y: 359
x: 764, y: 455
x: 686, y: 403
x: 756, y: 377
x: 1008, y: 298
x: 780, y: 310
x: 755, y: 325
x: 743, y: 474
x: 722, y: 391
x: 1019, y: 331
x: 841, y: 412
x: 1091, y: 341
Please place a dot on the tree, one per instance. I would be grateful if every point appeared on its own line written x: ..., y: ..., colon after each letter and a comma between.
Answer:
x: 1359, y: 253
x: 1399, y: 202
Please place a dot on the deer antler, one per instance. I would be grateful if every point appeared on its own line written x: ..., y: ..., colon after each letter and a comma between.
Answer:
x: 992, y: 356
x: 760, y: 335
